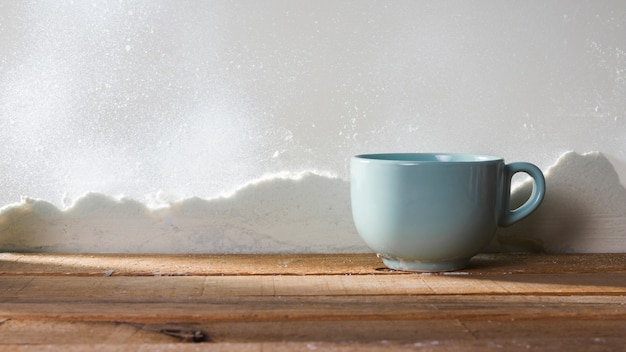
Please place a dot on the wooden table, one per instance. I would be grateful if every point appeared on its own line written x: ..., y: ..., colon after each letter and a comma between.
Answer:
x: 309, y: 302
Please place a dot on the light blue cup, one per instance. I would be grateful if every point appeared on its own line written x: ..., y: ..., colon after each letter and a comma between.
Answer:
x: 434, y: 212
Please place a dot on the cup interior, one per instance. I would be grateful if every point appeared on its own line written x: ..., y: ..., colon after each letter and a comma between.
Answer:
x: 428, y: 157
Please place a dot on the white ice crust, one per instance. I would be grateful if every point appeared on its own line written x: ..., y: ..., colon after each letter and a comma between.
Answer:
x: 584, y: 211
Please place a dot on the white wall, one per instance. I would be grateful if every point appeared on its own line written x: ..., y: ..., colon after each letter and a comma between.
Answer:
x: 164, y: 100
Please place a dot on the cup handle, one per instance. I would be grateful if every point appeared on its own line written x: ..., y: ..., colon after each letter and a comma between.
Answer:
x: 509, y: 216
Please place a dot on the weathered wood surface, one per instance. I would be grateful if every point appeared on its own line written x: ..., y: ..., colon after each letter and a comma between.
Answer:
x: 285, y: 264
x: 309, y: 302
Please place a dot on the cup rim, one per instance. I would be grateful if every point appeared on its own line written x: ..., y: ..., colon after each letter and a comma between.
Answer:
x: 423, y: 158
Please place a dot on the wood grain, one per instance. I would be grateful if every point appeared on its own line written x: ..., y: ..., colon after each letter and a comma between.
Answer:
x: 286, y: 264
x: 309, y: 302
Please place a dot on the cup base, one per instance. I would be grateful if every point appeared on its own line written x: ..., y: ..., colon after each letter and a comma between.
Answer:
x: 399, y: 264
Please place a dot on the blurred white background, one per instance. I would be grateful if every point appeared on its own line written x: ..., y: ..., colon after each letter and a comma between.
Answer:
x: 200, y: 97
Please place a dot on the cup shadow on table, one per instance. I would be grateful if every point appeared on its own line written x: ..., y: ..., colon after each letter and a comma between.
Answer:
x: 600, y: 270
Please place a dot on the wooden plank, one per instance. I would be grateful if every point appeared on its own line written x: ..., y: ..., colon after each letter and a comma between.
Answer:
x: 38, y: 332
x: 553, y: 344
x: 186, y: 265
x: 307, y: 302
x: 422, y: 333
x: 137, y: 288
x: 300, y: 308
x: 288, y: 264
x: 441, y: 334
x: 610, y: 283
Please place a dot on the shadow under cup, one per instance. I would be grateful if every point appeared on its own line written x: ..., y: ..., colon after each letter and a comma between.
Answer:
x: 434, y: 211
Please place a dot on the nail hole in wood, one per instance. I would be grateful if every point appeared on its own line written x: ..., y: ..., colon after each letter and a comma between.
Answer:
x: 194, y: 336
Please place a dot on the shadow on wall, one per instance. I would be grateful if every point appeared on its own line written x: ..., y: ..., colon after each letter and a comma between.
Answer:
x: 584, y: 210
